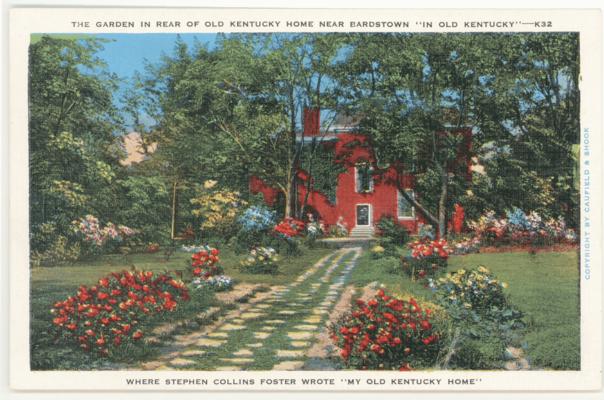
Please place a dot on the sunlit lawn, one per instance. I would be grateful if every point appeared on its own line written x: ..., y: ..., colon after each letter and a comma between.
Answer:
x: 51, y: 284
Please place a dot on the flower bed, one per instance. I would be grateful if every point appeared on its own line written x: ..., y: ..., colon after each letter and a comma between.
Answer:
x: 480, y: 312
x: 261, y: 260
x: 103, y: 317
x: 519, y: 228
x: 97, y: 239
x: 386, y: 333
x: 427, y: 258
x: 289, y: 228
x: 205, y: 263
x: 218, y: 283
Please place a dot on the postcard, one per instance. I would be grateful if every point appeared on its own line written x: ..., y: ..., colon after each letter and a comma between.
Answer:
x: 305, y: 200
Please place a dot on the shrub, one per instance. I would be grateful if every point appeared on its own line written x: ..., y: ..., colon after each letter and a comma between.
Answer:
x: 387, y: 333
x: 388, y: 264
x: 390, y: 233
x: 97, y: 239
x: 205, y: 263
x: 428, y: 257
x: 519, y: 228
x: 218, y: 283
x: 257, y: 219
x: 377, y: 252
x: 106, y: 316
x: 288, y: 232
x: 60, y: 251
x: 218, y: 209
x: 479, y: 310
x: 261, y: 260
x: 465, y: 245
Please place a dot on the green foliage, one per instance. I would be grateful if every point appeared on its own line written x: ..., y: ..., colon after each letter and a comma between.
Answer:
x: 391, y: 234
x: 388, y: 264
x: 72, y: 122
x: 146, y: 207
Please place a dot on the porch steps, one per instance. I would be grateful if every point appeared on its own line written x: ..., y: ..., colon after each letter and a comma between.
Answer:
x: 362, y: 232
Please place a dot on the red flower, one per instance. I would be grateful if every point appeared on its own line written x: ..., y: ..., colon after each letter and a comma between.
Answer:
x: 137, y: 335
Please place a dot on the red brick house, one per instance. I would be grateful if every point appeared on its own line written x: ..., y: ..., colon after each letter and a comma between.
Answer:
x: 364, y: 193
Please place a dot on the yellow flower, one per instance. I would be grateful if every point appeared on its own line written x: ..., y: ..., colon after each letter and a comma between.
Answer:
x: 209, y: 184
x: 483, y: 269
x: 504, y: 285
x: 467, y: 305
x: 461, y: 271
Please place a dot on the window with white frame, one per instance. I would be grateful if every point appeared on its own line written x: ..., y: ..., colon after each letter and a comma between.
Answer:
x: 405, y: 208
x: 364, y: 178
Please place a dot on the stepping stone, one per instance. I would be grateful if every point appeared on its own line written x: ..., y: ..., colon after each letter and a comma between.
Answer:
x: 231, y: 368
x: 218, y: 335
x: 192, y: 353
x: 300, y: 335
x: 210, y: 342
x: 232, y: 327
x: 255, y: 345
x: 275, y: 321
x: 263, y: 306
x: 243, y: 353
x: 268, y: 328
x: 238, y: 321
x: 181, y: 362
x: 313, y: 319
x: 299, y: 343
x: 290, y: 353
x: 251, y: 315
x: 306, y: 327
x: 287, y: 312
x: 261, y: 335
x: 237, y: 360
x: 152, y: 365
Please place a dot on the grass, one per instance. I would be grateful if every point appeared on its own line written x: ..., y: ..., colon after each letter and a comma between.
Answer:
x: 51, y: 284
x: 545, y: 286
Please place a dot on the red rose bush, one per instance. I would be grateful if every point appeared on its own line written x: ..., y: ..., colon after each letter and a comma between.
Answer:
x: 386, y: 333
x: 205, y: 263
x: 427, y: 258
x: 106, y: 316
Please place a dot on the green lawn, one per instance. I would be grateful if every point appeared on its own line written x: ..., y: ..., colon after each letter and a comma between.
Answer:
x: 51, y: 284
x: 544, y: 286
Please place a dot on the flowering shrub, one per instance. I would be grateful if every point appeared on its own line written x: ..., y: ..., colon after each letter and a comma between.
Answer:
x: 107, y: 315
x: 377, y: 251
x: 466, y: 245
x: 289, y: 228
x: 518, y: 228
x: 476, y: 295
x: 257, y: 219
x: 205, y: 262
x: 98, y: 237
x: 457, y: 218
x: 338, y: 231
x: 152, y: 247
x: 261, y: 260
x: 218, y: 283
x: 217, y: 208
x: 193, y: 248
x: 427, y: 258
x: 315, y: 229
x: 386, y: 333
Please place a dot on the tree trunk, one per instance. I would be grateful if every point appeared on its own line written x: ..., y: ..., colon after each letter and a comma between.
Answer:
x: 442, y: 202
x: 173, y: 225
x: 427, y: 214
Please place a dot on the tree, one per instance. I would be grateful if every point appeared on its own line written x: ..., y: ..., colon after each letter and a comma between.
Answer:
x: 72, y: 125
x: 417, y: 90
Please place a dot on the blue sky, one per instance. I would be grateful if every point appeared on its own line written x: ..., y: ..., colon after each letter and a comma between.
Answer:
x: 127, y: 53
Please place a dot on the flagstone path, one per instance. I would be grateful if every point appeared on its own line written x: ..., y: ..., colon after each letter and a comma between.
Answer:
x: 275, y: 330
